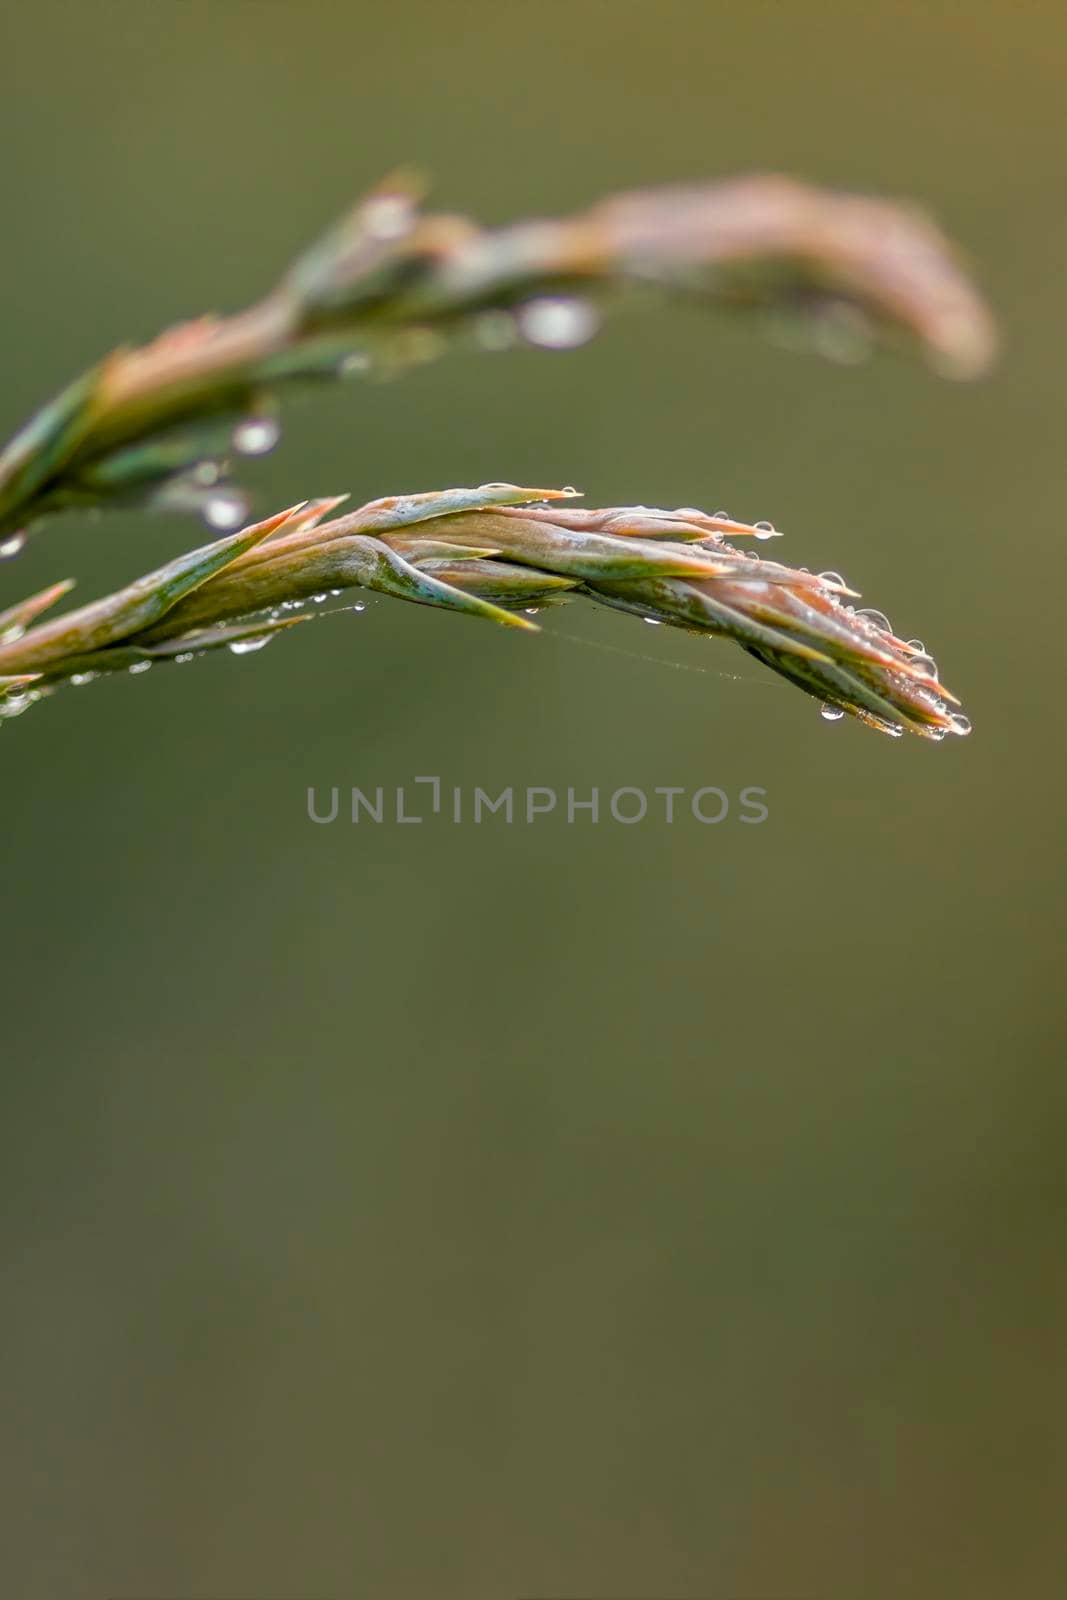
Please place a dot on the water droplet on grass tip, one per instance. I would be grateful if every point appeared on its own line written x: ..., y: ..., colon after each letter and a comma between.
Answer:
x: 833, y: 577
x: 764, y: 530
x: 557, y: 322
x: 256, y: 436
x: 830, y: 713
x: 960, y: 723
x: 11, y: 546
x: 653, y: 622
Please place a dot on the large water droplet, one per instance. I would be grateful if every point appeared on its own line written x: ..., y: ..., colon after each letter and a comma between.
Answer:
x: 558, y: 322
x: 830, y: 713
x: 765, y: 530
x: 960, y: 723
x: 244, y: 647
x: 225, y: 510
x: 256, y: 436
x: 13, y: 705
x: 878, y: 619
x: 11, y: 546
x: 917, y: 644
x: 833, y: 577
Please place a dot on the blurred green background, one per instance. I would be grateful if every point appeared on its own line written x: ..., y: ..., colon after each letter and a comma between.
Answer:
x: 600, y: 1211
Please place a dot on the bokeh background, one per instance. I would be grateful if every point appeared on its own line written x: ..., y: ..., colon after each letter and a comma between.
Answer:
x: 597, y: 1211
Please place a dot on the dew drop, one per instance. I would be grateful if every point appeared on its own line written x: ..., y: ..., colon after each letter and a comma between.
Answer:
x: 245, y: 647
x: 354, y: 363
x: 78, y: 679
x: 877, y: 619
x: 833, y: 577
x: 139, y: 666
x: 653, y: 622
x: 13, y: 634
x: 256, y: 436
x: 960, y: 723
x: 359, y: 606
x: 13, y: 705
x: 721, y: 516
x: 187, y: 655
x: 11, y: 546
x: 225, y: 510
x: 830, y: 713
x: 558, y: 322
x: 765, y: 530
x: 917, y: 644
x: 893, y: 730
